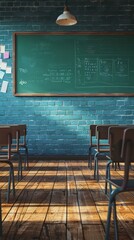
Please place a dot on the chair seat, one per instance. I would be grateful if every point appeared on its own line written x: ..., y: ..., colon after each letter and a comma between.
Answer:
x: 119, y: 183
x: 102, y: 155
x: 5, y: 156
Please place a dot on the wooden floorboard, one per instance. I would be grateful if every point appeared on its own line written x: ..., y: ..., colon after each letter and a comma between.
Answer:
x: 60, y: 200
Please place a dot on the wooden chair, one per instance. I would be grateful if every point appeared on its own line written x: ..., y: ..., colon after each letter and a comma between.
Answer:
x: 102, y: 149
x: 23, y: 142
x: 14, y: 130
x: 115, y: 135
x: 5, y: 141
x: 92, y: 143
x: 15, y: 148
x: 121, y: 185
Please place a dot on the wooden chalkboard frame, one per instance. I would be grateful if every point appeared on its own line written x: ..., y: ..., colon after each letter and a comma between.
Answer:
x: 15, y: 80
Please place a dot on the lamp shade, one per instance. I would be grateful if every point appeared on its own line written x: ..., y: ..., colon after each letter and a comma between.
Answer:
x: 66, y: 18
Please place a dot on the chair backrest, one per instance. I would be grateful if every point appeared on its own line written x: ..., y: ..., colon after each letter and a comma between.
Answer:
x: 5, y: 135
x: 6, y: 139
x: 23, y: 132
x: 15, y: 135
x: 127, y: 155
x: 92, y: 133
x: 102, y: 136
x: 115, y: 134
x: 115, y: 142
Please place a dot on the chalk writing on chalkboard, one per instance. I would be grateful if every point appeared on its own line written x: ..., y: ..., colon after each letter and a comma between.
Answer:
x: 73, y: 64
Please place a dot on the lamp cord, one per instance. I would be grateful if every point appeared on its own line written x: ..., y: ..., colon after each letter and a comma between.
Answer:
x: 65, y: 3
x: 65, y: 6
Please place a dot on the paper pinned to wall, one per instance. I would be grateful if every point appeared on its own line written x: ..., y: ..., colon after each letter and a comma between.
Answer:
x: 2, y: 48
x: 3, y: 65
x: 2, y: 74
x: 4, y: 86
x: 8, y: 70
x: 4, y: 69
x: 0, y: 63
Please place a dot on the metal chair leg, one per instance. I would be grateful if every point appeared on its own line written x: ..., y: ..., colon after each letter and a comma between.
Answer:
x: 115, y: 221
x: 90, y: 161
x: 19, y: 167
x: 24, y: 149
x: 9, y: 185
x: 107, y: 175
x: 106, y: 180
x: 108, y: 221
x: 0, y: 217
x: 112, y: 205
x: 94, y: 168
x: 89, y: 157
x: 96, y: 172
x: 11, y: 180
x: 26, y: 160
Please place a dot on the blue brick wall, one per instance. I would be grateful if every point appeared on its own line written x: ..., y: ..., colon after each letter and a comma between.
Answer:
x: 59, y: 125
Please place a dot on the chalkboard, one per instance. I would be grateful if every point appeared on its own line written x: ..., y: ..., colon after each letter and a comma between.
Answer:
x: 73, y: 64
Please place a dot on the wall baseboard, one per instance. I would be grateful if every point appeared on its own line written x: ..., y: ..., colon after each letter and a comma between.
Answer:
x: 59, y: 157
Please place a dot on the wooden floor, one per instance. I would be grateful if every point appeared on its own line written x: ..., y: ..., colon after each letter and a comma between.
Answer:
x: 60, y: 200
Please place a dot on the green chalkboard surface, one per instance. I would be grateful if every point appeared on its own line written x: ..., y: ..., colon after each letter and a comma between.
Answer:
x: 73, y: 64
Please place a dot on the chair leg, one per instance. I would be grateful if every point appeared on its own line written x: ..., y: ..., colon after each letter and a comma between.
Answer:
x: 26, y: 161
x: 0, y: 217
x: 89, y: 158
x: 107, y: 175
x: 115, y: 166
x: 96, y: 172
x: 115, y: 221
x: 19, y: 167
x: 13, y: 183
x: 94, y: 167
x: 119, y: 165
x: 25, y: 154
x: 106, y: 179
x: 9, y: 185
x: 11, y: 180
x: 107, y: 237
x: 112, y: 205
x: 90, y: 161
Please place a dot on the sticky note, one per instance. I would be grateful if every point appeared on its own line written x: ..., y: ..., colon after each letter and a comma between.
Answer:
x: 4, y: 86
x: 6, y: 55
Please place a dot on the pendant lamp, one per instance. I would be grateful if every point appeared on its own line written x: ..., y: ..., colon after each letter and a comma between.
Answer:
x: 66, y: 18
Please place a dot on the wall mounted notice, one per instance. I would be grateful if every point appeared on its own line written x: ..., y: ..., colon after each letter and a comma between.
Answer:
x: 73, y: 64
x: 4, y: 86
x: 4, y: 68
